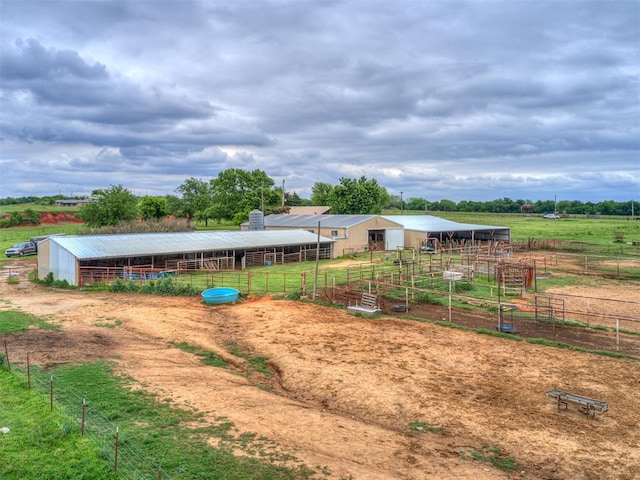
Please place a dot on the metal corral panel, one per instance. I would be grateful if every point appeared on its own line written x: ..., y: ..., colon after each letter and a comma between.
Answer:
x: 86, y: 247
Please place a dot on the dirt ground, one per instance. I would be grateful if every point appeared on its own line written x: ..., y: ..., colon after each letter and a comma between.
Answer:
x: 346, y: 388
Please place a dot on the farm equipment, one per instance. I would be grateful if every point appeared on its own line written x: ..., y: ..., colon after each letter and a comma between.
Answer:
x: 588, y: 406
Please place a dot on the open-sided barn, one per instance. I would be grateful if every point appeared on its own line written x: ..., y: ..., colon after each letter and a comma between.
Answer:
x: 80, y: 259
x: 427, y: 230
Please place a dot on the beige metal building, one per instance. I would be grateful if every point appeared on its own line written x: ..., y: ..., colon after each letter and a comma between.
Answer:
x: 351, y: 233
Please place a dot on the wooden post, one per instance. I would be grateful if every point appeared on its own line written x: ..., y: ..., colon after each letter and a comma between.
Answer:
x: 84, y: 409
x: 28, y: 372
x: 6, y: 354
x: 315, y: 281
x: 115, y: 460
x: 406, y: 300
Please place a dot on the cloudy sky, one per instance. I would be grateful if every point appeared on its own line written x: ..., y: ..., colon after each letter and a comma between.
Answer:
x: 459, y: 100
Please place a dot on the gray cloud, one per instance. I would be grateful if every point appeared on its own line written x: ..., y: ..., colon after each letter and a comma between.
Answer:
x: 462, y: 100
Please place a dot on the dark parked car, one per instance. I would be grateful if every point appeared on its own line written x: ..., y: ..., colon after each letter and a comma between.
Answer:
x: 20, y: 249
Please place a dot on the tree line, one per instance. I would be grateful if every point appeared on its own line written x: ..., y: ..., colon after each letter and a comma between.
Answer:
x: 235, y: 192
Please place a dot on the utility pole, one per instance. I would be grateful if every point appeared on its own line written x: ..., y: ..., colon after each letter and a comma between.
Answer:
x: 401, y: 204
x: 262, y: 198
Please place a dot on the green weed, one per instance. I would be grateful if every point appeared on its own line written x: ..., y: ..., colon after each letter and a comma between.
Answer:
x: 423, y: 427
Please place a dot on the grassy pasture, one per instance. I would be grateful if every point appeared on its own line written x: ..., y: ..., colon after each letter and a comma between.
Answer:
x: 36, y: 207
x: 574, y: 228
x: 12, y: 235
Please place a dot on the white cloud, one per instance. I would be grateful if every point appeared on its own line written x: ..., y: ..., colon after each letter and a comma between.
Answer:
x: 461, y: 100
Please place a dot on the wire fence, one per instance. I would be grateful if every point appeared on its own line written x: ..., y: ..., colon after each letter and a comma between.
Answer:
x: 127, y: 460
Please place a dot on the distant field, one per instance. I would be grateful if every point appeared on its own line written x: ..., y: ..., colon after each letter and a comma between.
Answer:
x: 577, y: 228
x: 36, y: 207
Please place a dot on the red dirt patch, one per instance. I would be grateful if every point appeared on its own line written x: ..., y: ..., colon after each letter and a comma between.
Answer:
x: 51, y: 218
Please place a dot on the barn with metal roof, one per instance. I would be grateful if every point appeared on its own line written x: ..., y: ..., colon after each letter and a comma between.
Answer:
x: 78, y: 257
x: 352, y: 233
x: 423, y: 230
x: 358, y: 233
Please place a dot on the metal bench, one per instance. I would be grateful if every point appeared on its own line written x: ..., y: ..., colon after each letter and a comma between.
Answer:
x: 368, y: 305
x: 588, y: 406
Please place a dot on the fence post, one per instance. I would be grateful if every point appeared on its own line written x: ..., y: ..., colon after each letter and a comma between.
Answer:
x: 84, y: 408
x: 115, y: 459
x: 6, y: 354
x: 28, y: 372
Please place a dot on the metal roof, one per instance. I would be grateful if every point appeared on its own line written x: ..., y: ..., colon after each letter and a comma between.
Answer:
x: 429, y: 223
x: 85, y: 247
x: 311, y: 221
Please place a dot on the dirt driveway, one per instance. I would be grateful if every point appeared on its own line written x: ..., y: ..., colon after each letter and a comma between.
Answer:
x: 347, y: 388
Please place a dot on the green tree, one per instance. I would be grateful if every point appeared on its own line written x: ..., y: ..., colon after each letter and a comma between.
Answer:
x: 416, y: 204
x: 111, y: 206
x: 196, y: 199
x: 292, y: 199
x: 175, y: 206
x: 320, y: 193
x: 236, y: 191
x: 360, y: 196
x: 444, y: 205
x: 152, y: 207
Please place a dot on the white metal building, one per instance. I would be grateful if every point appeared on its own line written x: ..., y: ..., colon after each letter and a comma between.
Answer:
x: 418, y: 229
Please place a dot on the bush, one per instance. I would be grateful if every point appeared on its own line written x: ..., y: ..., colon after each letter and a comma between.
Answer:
x: 164, y: 287
x: 429, y: 298
x: 463, y: 286
x: 118, y: 285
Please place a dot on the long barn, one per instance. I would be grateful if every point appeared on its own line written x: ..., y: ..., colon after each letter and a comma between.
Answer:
x: 81, y: 259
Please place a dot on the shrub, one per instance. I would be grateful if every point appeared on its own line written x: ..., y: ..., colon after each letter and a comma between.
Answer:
x: 118, y: 285
x: 463, y: 286
x: 429, y: 298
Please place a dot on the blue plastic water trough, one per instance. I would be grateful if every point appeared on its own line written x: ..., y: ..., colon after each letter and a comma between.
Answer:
x: 218, y: 295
